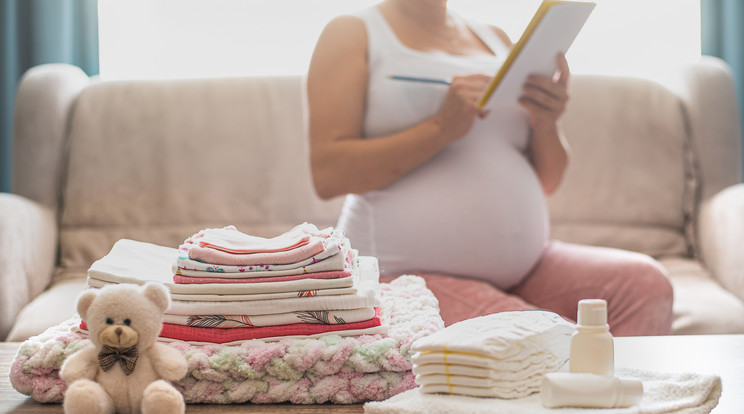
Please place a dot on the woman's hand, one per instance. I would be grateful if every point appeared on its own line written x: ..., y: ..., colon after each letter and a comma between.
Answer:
x: 461, y: 105
x: 545, y: 98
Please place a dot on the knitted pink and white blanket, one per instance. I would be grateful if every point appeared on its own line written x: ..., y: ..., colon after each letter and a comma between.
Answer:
x: 335, y: 369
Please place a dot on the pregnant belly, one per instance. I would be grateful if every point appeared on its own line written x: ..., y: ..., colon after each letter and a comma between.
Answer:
x: 470, y: 213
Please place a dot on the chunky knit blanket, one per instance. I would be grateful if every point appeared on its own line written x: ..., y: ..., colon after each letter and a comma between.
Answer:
x: 335, y: 369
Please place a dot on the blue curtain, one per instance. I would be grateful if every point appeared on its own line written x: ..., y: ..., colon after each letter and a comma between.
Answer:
x: 722, y: 27
x: 33, y: 32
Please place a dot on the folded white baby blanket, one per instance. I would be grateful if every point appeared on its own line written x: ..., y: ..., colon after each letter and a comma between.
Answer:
x: 686, y: 393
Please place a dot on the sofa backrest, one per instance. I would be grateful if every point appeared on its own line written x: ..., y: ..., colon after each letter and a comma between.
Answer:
x: 158, y: 160
x: 631, y: 179
x: 645, y: 158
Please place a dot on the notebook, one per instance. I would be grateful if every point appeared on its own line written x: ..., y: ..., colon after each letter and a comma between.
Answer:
x: 552, y: 30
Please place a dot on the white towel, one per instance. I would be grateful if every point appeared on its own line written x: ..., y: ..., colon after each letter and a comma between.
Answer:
x: 686, y: 393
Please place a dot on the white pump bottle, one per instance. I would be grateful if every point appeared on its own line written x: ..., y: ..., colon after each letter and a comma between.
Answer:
x: 592, y: 349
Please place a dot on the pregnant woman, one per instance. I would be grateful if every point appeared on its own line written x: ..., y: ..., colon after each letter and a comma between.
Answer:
x: 437, y: 187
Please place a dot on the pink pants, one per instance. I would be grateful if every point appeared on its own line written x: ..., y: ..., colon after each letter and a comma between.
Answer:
x: 635, y: 286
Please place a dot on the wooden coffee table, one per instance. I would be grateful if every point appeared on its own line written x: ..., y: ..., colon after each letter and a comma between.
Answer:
x: 716, y: 354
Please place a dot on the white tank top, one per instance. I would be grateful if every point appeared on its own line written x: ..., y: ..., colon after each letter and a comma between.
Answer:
x: 476, y: 209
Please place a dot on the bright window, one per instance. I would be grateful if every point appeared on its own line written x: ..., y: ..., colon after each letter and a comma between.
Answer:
x: 200, y: 38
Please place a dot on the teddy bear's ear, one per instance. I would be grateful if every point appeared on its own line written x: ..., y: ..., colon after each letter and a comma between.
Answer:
x: 158, y: 294
x: 84, y: 301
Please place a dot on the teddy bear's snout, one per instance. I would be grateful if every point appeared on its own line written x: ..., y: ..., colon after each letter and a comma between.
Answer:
x: 119, y: 336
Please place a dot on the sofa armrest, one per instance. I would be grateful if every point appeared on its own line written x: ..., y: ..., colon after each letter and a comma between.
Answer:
x: 28, y: 248
x: 721, y: 232
x: 714, y: 126
x: 43, y: 107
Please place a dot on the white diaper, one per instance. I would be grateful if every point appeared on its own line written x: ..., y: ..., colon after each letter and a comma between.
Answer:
x: 503, y: 335
x: 501, y: 355
x: 502, y: 370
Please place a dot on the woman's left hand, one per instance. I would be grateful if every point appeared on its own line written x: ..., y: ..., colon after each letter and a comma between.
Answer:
x: 545, y: 98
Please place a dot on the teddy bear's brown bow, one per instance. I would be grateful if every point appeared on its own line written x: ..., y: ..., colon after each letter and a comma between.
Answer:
x: 127, y: 358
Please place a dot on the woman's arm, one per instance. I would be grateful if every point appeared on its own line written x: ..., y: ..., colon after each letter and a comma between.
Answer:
x: 545, y: 100
x: 341, y: 160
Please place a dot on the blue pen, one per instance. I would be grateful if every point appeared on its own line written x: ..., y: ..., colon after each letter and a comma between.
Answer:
x: 418, y: 79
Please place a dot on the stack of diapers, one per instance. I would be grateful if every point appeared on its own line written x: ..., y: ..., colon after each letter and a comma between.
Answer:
x: 502, y: 355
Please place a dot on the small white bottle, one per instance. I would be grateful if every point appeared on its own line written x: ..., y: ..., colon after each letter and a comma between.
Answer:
x: 565, y: 389
x: 592, y: 349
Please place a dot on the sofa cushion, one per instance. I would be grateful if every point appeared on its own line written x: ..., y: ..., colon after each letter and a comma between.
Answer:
x: 701, y: 305
x: 158, y: 160
x: 630, y: 182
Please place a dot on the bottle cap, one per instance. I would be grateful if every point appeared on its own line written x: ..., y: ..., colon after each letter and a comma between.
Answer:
x: 592, y: 312
x: 629, y: 393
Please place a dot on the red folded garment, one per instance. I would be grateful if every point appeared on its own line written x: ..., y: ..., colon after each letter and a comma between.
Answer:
x: 189, y: 280
x: 222, y: 335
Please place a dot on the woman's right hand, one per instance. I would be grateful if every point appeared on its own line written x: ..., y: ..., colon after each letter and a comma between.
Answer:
x: 342, y: 159
x: 461, y: 105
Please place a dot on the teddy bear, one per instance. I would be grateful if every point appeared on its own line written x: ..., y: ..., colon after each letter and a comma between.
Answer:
x: 123, y: 369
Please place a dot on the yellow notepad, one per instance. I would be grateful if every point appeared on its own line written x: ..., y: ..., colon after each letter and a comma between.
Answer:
x: 552, y: 29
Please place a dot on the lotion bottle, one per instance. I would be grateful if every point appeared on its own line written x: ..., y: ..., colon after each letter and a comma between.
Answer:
x: 592, y: 349
x: 565, y: 389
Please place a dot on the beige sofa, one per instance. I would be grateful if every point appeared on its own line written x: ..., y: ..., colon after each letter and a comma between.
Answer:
x: 653, y: 170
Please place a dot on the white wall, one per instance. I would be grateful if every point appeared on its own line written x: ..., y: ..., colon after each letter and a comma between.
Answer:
x: 198, y: 38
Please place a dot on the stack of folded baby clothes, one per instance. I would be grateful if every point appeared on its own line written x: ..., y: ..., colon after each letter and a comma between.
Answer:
x: 501, y: 355
x: 228, y: 286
